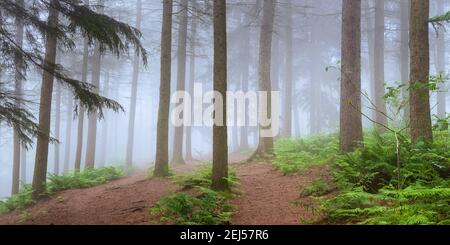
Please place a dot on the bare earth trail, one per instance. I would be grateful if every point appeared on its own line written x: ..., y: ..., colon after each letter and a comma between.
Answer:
x: 265, y: 198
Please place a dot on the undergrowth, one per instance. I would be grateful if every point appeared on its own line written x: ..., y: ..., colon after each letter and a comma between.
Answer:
x: 373, y: 190
x: 201, y: 206
x: 376, y: 185
x: 202, y: 177
x: 84, y: 179
x: 208, y: 207
x: 296, y: 155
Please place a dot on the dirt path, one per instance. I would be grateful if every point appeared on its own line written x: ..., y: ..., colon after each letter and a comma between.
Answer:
x: 267, y: 195
x: 124, y: 201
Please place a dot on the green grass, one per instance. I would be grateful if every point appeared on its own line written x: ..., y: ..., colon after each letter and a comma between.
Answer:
x: 296, y: 155
x: 84, y: 179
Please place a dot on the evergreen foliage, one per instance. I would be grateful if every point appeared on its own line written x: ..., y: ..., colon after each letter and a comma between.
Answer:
x: 77, y: 21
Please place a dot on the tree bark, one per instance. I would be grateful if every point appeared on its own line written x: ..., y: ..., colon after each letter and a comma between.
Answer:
x: 45, y: 106
x: 181, y: 78
x: 440, y: 67
x: 104, y: 143
x: 265, y: 46
x: 18, y: 76
x: 380, y: 104
x: 287, y: 122
x: 192, y: 67
x: 351, y: 134
x: 220, y: 145
x: 420, y: 115
x: 162, y: 133
x: 405, y: 6
x: 134, y: 85
x: 68, y: 138
x: 80, y: 129
x: 93, y: 115
x: 57, y: 127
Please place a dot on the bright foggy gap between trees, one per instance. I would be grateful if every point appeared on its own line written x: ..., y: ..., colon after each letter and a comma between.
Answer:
x: 316, y: 55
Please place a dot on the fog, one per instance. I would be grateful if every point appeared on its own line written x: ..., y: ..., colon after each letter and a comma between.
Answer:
x: 316, y: 30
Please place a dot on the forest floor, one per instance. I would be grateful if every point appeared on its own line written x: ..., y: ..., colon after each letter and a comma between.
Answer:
x: 266, y: 196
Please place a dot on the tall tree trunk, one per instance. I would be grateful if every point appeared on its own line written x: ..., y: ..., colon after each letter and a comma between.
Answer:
x: 316, y: 87
x: 370, y: 27
x: 220, y: 145
x: 18, y: 92
x: 380, y: 104
x: 45, y: 106
x: 134, y: 85
x: 68, y: 138
x: 57, y: 127
x: 162, y: 132
x: 104, y: 143
x: 192, y: 67
x: 405, y: 6
x: 93, y: 115
x: 80, y: 128
x: 245, y: 49
x: 420, y: 115
x: 23, y: 167
x: 287, y: 126
x: 350, y: 103
x: 440, y: 66
x: 181, y: 78
x: 265, y: 46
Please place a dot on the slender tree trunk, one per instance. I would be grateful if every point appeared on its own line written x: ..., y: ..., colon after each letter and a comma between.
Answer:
x: 191, y: 81
x: 245, y: 49
x: 440, y: 67
x: 266, y: 143
x: 18, y: 92
x: 350, y: 114
x: 316, y: 87
x: 380, y: 104
x: 220, y: 145
x: 420, y: 115
x: 104, y: 143
x: 80, y: 128
x: 370, y: 27
x: 57, y: 127
x: 93, y: 115
x: 287, y: 127
x: 45, y: 106
x: 134, y: 85
x: 181, y: 78
x: 23, y: 166
x: 162, y: 133
x: 404, y: 51
x: 68, y: 138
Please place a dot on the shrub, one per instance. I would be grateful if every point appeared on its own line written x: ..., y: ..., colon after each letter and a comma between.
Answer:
x: 295, y: 155
x: 375, y: 165
x: 413, y: 205
x: 17, y: 201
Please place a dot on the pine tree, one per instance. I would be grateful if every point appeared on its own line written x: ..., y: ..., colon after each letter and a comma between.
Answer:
x: 162, y: 138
